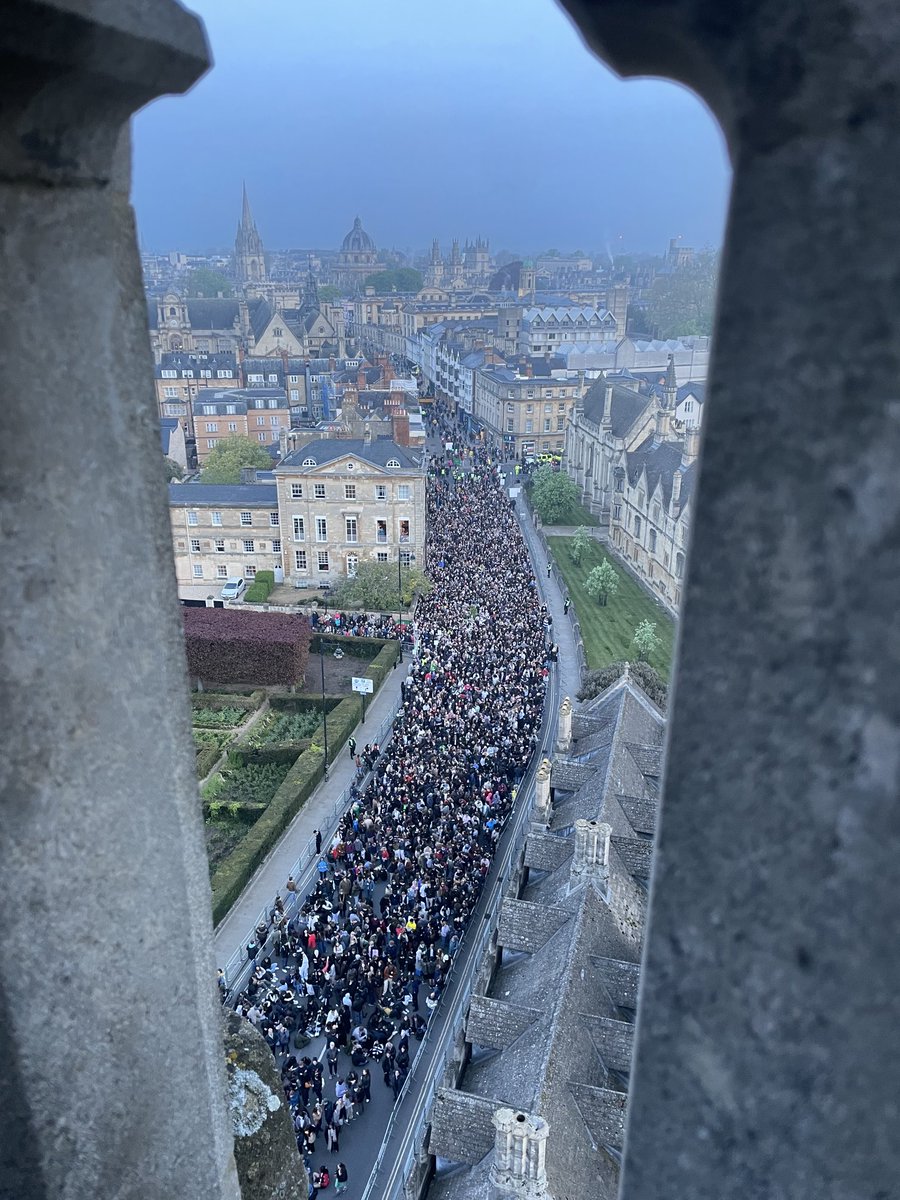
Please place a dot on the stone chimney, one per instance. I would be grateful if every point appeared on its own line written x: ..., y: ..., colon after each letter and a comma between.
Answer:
x: 528, y: 369
x: 564, y: 728
x: 591, y: 857
x: 676, y: 490
x: 519, y: 1167
x: 606, y: 419
x: 691, y: 445
x: 542, y: 805
x: 332, y: 365
x: 248, y: 474
x: 361, y: 380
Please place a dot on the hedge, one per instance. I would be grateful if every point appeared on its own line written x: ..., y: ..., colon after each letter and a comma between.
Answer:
x: 227, y: 700
x: 239, y: 755
x: 234, y: 646
x: 233, y: 875
x: 266, y: 577
x: 353, y: 647
x: 257, y: 593
x: 207, y: 757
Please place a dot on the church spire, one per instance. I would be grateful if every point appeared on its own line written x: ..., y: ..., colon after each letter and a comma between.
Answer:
x: 247, y: 221
x: 249, y: 255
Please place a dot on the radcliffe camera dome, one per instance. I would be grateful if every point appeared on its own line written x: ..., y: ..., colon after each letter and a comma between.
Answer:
x: 357, y: 239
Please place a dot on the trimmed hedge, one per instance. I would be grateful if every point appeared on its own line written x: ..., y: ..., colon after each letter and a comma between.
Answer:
x: 257, y: 593
x: 233, y: 875
x: 353, y: 647
x: 233, y: 646
x: 240, y: 754
x: 207, y: 757
x: 247, y: 701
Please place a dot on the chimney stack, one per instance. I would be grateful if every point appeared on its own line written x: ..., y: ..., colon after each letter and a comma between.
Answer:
x: 542, y: 806
x: 691, y: 445
x: 564, y: 728
x: 248, y: 474
x: 361, y: 380
x: 591, y: 858
x: 400, y: 428
x: 520, y: 1155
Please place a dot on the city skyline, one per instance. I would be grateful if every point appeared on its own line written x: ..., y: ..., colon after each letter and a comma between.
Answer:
x: 431, y: 124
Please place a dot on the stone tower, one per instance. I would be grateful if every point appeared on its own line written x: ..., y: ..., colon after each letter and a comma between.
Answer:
x: 434, y: 273
x: 249, y: 256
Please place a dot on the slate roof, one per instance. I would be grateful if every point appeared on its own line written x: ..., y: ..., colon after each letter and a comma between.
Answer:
x: 660, y: 460
x: 213, y: 313
x: 626, y: 407
x: 167, y: 426
x: 249, y: 495
x: 326, y: 450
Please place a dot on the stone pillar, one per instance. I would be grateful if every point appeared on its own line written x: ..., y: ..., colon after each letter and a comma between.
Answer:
x: 590, y: 859
x: 113, y: 1081
x: 564, y: 728
x: 542, y: 806
x: 771, y: 972
x: 520, y: 1150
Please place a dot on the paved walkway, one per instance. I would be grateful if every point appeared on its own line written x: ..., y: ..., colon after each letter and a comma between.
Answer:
x: 297, y: 842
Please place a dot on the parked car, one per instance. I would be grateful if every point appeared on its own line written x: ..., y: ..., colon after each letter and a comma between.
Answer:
x: 233, y: 589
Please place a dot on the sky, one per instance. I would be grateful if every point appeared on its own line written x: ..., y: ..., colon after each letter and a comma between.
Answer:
x: 428, y: 119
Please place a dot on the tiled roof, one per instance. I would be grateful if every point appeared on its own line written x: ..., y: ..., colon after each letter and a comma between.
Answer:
x: 253, y: 495
x: 325, y: 450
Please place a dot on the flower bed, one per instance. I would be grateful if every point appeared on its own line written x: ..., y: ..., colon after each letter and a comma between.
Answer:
x: 254, y: 783
x: 283, y: 728
x: 218, y: 718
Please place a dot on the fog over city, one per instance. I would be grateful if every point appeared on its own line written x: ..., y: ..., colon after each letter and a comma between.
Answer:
x: 427, y: 120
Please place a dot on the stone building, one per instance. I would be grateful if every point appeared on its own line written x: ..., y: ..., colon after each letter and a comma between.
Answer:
x: 345, y: 501
x: 358, y: 257
x: 559, y: 1056
x: 181, y: 374
x: 635, y: 464
x: 523, y: 412
x: 194, y: 324
x: 257, y: 413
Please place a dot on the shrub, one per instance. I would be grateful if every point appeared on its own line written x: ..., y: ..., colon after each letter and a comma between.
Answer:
x: 257, y: 593
x: 207, y: 757
x: 283, y: 727
x: 231, y: 646
x: 245, y: 702
x: 218, y: 718
x: 255, y: 783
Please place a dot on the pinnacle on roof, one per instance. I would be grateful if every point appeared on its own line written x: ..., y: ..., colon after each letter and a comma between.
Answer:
x: 671, y: 381
x: 247, y: 221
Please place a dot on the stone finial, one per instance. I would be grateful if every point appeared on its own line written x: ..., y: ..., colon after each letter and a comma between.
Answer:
x: 542, y: 792
x: 520, y: 1149
x: 591, y: 857
x: 564, y: 729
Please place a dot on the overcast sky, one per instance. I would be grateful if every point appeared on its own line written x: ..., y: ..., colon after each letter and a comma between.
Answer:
x: 428, y: 118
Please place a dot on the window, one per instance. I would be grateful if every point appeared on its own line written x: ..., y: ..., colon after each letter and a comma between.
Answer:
x: 323, y: 560
x: 198, y: 570
x: 404, y: 531
x: 656, y: 513
x: 249, y: 571
x: 254, y: 378
x: 295, y: 396
x: 510, y: 423
x: 509, y: 408
x: 637, y: 527
x: 546, y: 424
x: 620, y: 483
x: 402, y: 491
x: 210, y: 428
x: 246, y: 518
x: 187, y: 374
x: 319, y: 491
x: 679, y: 565
x: 406, y: 558
x: 169, y: 374
x: 617, y: 512
x: 276, y: 421
x: 273, y: 379
x: 381, y: 556
x: 299, y: 529
x: 349, y: 491
x: 232, y: 426
x: 296, y: 491
x: 219, y: 545
x: 210, y: 443
x: 295, y: 379
x: 561, y: 408
x: 652, y: 541
x: 529, y: 426
x: 231, y: 410
x: 352, y: 565
x: 529, y: 408
x: 300, y: 561
x: 560, y: 422
x: 222, y: 571
x: 206, y: 374
x: 530, y: 393
x: 223, y: 374
x: 381, y: 491
x: 195, y: 545
x: 171, y: 392
x: 209, y: 410
x: 261, y: 437
x: 276, y: 546
x: 274, y: 520
x: 249, y: 546
x: 276, y: 332
x: 352, y: 532
x: 393, y: 464
x: 321, y: 529
x: 310, y: 462
x: 192, y: 518
x: 548, y: 408
x: 260, y: 420
x: 216, y: 518
x: 381, y: 531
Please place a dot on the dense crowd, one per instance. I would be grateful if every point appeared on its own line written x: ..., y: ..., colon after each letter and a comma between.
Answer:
x: 349, y: 624
x: 362, y: 962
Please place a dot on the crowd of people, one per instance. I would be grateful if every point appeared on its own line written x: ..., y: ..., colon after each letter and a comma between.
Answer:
x: 348, y: 980
x: 349, y: 624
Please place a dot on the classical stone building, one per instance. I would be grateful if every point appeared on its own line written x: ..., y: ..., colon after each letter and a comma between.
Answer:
x: 523, y: 412
x: 358, y: 258
x: 559, y: 1056
x: 257, y: 413
x: 344, y: 502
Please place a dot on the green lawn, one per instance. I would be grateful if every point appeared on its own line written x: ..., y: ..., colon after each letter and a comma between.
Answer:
x: 607, y: 631
x: 575, y: 515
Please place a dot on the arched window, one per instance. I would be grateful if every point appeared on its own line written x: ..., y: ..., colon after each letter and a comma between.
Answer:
x: 310, y: 462
x: 172, y: 312
x: 392, y: 462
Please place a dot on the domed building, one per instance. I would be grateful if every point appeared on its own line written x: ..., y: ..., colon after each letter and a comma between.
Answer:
x: 358, y: 256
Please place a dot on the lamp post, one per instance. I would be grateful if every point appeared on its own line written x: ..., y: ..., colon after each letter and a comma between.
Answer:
x: 324, y: 712
x: 410, y: 560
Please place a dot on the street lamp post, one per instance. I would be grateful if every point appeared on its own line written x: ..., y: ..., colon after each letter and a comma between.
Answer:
x: 324, y: 712
x: 400, y: 603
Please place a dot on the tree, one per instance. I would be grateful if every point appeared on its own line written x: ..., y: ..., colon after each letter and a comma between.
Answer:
x: 682, y: 300
x: 375, y: 587
x: 401, y: 279
x: 637, y: 320
x: 174, y: 471
x: 203, y: 282
x: 225, y: 461
x: 329, y: 293
x: 645, y: 640
x: 552, y: 494
x: 602, y: 582
x: 579, y: 545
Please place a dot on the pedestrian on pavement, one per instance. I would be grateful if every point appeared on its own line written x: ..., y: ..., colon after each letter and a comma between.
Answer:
x: 566, y: 607
x: 351, y: 745
x: 318, y: 838
x: 340, y: 1178
x: 548, y: 570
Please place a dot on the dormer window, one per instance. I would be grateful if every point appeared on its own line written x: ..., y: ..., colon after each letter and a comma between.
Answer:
x: 393, y: 463
x: 311, y: 462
